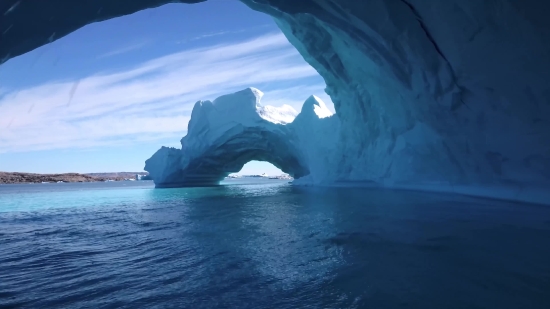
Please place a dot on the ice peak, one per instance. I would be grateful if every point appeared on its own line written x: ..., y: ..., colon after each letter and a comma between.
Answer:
x: 245, y: 100
x: 315, y: 104
x: 255, y: 91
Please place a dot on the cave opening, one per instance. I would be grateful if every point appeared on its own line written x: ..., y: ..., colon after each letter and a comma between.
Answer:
x: 256, y: 167
x: 277, y: 162
x: 106, y: 96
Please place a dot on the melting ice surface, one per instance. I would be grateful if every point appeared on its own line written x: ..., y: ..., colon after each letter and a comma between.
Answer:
x: 267, y: 245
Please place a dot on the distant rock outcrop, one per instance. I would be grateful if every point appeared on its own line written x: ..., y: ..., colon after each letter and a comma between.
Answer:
x: 13, y: 178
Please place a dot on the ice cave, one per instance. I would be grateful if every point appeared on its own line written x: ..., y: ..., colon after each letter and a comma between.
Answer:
x: 450, y: 96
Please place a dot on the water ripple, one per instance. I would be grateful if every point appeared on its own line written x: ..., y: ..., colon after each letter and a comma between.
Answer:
x: 269, y: 246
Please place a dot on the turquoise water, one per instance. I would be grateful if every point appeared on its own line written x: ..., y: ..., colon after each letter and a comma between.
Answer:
x: 38, y: 196
x: 267, y: 244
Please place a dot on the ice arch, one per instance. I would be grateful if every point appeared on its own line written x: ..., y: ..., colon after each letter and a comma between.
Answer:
x: 234, y: 129
x: 438, y: 95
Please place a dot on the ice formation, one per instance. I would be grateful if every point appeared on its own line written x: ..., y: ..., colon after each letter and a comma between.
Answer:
x: 234, y: 129
x: 434, y: 95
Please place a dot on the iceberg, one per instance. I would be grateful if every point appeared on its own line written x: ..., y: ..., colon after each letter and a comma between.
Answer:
x: 234, y: 129
x: 448, y: 96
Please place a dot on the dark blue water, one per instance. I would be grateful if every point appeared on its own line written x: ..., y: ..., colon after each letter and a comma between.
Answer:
x: 267, y: 245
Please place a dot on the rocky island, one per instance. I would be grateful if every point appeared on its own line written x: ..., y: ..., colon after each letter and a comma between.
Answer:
x: 14, y: 177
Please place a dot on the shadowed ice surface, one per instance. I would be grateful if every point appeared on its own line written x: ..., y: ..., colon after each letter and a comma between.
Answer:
x: 267, y: 245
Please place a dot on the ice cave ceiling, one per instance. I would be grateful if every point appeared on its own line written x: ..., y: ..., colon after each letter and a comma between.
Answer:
x: 453, y: 93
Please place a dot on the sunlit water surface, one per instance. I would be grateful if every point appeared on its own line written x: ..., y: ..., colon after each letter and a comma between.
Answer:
x: 266, y: 244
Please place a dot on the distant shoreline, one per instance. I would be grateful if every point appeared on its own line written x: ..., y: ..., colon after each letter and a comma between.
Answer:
x: 18, y: 178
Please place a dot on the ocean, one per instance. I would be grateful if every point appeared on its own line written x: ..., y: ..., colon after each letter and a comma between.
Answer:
x: 267, y: 244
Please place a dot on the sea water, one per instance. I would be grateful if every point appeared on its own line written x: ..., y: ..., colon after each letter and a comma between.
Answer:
x: 267, y: 244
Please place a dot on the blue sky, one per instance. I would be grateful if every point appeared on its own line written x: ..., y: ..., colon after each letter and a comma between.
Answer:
x: 107, y: 96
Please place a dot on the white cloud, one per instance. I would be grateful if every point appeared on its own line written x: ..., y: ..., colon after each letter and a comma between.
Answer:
x: 152, y: 99
x: 213, y: 34
x: 220, y: 33
x: 123, y: 50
